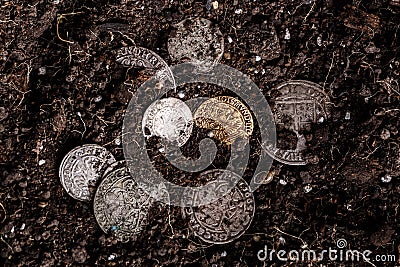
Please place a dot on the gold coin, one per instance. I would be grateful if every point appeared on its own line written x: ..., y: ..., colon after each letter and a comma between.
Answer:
x: 226, y: 116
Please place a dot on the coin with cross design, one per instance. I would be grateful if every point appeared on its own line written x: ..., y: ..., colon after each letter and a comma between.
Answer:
x: 82, y: 168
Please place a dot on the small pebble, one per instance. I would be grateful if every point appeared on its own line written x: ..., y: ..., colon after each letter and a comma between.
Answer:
x: 282, y: 240
x: 42, y: 70
x: 181, y: 94
x: 41, y: 162
x: 319, y: 41
x: 22, y: 227
x: 287, y: 34
x: 98, y: 98
x: 111, y: 257
x: 386, y: 178
x: 385, y: 134
x: 215, y: 4
x: 117, y: 141
x: 282, y: 182
x: 223, y: 254
x: 307, y: 188
x: 238, y: 11
x: 321, y: 120
x: 347, y: 117
x: 230, y: 40
x: 210, y: 134
x: 258, y: 58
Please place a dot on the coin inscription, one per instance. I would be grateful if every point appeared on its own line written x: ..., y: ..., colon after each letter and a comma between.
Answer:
x: 120, y: 206
x: 140, y: 57
x: 82, y: 168
x: 298, y: 104
x: 196, y: 39
x: 227, y: 218
x: 169, y: 118
x: 226, y: 116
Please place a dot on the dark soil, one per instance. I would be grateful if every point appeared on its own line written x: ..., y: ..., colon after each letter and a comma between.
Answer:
x: 61, y: 87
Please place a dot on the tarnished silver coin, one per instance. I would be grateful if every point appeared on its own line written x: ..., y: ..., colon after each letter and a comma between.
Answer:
x: 196, y: 39
x: 120, y: 206
x: 227, y: 218
x: 168, y: 118
x: 140, y: 57
x: 296, y: 106
x: 82, y: 168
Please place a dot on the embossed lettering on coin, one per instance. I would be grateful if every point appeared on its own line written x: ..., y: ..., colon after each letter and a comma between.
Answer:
x: 227, y: 218
x: 228, y: 117
x: 82, y: 168
x: 140, y: 57
x: 196, y: 39
x: 120, y: 206
x: 297, y: 105
x: 169, y: 118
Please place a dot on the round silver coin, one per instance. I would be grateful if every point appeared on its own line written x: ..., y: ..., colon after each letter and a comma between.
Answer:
x: 120, y: 206
x: 168, y: 118
x: 196, y: 39
x: 82, y: 168
x: 227, y: 218
x: 297, y: 105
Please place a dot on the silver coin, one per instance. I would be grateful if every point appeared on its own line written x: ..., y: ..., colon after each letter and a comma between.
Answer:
x: 120, y: 206
x: 227, y: 218
x: 82, y: 168
x: 198, y: 40
x: 168, y: 118
x: 298, y: 104
x: 140, y: 57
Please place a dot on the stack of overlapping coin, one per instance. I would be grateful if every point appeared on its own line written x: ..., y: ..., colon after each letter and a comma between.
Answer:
x: 90, y: 172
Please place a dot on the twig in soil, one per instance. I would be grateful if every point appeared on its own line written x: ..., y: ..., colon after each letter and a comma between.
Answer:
x: 84, y: 124
x: 59, y: 19
x: 1, y: 238
x: 309, y: 12
x: 5, y: 213
x: 329, y: 71
x: 282, y: 232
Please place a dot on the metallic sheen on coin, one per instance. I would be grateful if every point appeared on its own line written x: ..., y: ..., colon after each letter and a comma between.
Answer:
x: 82, y: 168
x: 197, y: 39
x: 227, y: 116
x: 227, y: 218
x: 168, y: 118
x: 297, y: 105
x: 120, y: 206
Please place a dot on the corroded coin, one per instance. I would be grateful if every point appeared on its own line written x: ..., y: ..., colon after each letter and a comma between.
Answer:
x: 226, y: 116
x: 169, y: 118
x: 140, y: 57
x: 297, y: 105
x: 227, y: 218
x: 198, y: 40
x: 82, y: 168
x: 120, y: 206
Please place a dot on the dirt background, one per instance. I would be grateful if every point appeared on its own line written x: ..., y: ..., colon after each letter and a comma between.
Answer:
x: 61, y: 87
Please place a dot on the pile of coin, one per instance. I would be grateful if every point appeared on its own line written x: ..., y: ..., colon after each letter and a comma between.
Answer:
x: 90, y: 172
x: 121, y: 206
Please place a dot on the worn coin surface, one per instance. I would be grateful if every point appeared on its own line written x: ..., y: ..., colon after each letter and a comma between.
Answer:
x: 196, y: 39
x: 297, y: 105
x: 226, y: 116
x: 140, y: 57
x: 169, y: 118
x: 120, y: 206
x: 227, y: 218
x: 82, y: 168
